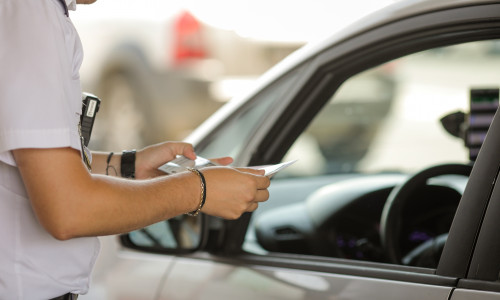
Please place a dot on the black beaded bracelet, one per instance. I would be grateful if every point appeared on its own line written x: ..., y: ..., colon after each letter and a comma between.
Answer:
x: 127, y: 164
x: 108, y: 166
x: 203, y: 195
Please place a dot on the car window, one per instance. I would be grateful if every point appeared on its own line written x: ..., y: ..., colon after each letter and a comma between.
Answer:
x: 379, y: 128
x: 232, y: 137
x: 184, y: 232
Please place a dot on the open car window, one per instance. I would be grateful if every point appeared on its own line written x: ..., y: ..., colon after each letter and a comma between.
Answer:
x: 182, y: 233
x: 379, y: 129
x: 233, y: 136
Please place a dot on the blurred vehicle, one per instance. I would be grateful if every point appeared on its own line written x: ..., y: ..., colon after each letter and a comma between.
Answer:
x: 162, y: 67
x: 387, y: 199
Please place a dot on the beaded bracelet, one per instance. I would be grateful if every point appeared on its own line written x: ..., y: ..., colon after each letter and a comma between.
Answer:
x: 108, y: 166
x: 203, y: 195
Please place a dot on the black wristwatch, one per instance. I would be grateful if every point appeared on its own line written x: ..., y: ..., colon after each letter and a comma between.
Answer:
x: 128, y: 163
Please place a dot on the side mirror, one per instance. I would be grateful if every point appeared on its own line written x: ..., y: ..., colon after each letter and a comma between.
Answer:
x: 181, y: 234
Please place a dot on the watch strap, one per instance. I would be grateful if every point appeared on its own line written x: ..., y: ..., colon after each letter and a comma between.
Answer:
x: 127, y: 164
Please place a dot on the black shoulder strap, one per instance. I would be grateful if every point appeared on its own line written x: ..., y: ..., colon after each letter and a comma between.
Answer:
x: 65, y: 6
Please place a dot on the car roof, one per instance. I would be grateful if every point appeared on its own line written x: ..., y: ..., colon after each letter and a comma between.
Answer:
x: 397, y: 11
x: 388, y: 14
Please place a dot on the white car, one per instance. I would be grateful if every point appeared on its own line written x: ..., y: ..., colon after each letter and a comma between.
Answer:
x: 389, y: 198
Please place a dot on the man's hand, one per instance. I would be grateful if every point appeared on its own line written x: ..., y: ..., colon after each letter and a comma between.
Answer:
x: 231, y: 192
x: 149, y: 159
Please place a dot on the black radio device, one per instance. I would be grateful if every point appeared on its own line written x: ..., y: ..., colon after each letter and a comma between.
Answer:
x: 90, y: 107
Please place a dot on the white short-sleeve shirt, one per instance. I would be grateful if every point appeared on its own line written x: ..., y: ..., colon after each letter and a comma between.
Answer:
x: 40, y: 107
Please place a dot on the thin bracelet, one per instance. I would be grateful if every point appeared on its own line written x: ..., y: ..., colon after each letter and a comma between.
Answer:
x: 108, y: 166
x: 203, y: 195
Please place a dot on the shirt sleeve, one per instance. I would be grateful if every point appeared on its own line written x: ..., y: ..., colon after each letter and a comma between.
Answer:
x: 40, y: 93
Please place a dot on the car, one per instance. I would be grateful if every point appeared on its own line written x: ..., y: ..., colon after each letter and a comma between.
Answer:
x: 393, y: 195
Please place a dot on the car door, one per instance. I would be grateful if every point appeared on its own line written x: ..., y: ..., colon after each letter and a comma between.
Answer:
x: 264, y: 127
x: 482, y: 279
x: 264, y: 134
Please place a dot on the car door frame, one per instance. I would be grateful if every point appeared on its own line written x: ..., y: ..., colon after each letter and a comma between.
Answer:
x: 484, y: 269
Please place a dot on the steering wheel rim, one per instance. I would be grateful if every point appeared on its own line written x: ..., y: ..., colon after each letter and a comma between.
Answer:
x: 391, y: 220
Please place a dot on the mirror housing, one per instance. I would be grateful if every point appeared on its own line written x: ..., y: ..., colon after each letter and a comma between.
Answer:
x: 454, y: 123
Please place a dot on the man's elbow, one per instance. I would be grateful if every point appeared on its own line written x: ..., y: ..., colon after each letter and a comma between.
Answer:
x: 61, y: 230
x: 62, y: 235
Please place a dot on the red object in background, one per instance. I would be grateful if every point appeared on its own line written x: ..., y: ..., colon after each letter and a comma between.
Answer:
x: 188, y: 38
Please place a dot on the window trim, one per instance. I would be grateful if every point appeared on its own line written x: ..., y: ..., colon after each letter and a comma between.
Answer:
x: 471, y: 284
x: 331, y: 266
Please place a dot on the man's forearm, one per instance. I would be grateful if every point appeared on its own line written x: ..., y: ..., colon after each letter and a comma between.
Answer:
x: 101, y: 165
x: 70, y: 202
x: 110, y: 205
x: 147, y: 160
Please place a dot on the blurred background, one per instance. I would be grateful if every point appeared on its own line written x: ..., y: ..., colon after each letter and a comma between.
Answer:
x: 162, y: 67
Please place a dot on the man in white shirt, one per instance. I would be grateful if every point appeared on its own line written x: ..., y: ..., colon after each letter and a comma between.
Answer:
x: 51, y: 206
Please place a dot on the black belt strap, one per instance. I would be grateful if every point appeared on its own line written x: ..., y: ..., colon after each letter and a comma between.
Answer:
x: 67, y: 296
x: 65, y: 6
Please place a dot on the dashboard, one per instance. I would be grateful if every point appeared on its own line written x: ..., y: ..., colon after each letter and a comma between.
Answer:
x: 343, y: 219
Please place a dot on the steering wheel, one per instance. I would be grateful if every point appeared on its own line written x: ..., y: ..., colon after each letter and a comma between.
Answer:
x: 391, y: 222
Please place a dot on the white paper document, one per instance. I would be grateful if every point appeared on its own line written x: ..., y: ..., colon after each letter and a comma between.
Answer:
x: 181, y: 163
x: 273, y: 169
